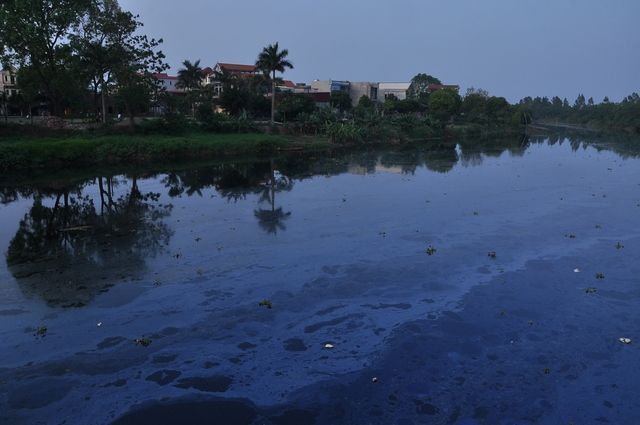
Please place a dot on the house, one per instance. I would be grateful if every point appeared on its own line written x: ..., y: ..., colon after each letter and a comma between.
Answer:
x: 169, y: 83
x: 399, y: 90
x: 327, y: 86
x: 359, y: 89
x: 355, y: 89
x: 240, y: 70
x: 8, y: 87
x: 8, y: 82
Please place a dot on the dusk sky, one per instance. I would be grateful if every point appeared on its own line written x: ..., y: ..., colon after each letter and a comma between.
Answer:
x: 510, y: 48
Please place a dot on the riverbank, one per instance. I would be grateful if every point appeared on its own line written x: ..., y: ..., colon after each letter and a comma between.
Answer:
x: 60, y: 149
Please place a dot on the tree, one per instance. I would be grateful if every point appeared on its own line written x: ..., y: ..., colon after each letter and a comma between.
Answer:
x: 270, y: 61
x: 190, y: 79
x: 102, y: 35
x: 293, y: 104
x: 420, y: 87
x: 341, y: 99
x: 35, y: 33
x: 445, y: 103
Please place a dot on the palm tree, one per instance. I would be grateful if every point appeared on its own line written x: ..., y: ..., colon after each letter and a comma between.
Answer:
x: 270, y: 61
x: 190, y: 77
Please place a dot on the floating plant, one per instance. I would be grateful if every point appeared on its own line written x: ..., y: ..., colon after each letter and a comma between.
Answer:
x: 546, y: 370
x: 599, y: 276
x: 157, y: 283
x: 265, y: 302
x: 40, y: 332
x: 431, y: 250
x: 199, y: 271
x: 491, y: 254
x: 503, y: 312
x: 590, y: 290
x: 598, y: 226
x: 619, y: 245
x: 475, y: 213
x: 177, y: 255
x: 198, y: 239
x: 144, y: 341
x: 383, y: 234
x: 530, y: 322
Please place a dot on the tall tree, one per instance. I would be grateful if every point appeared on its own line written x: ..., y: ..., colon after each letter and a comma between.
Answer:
x: 35, y: 33
x: 270, y: 61
x: 101, y: 36
x: 419, y: 86
x: 190, y: 79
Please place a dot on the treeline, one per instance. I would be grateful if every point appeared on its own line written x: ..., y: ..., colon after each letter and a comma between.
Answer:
x: 620, y: 116
x: 59, y: 48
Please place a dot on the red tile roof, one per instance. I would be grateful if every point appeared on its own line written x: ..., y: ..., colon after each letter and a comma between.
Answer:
x: 234, y: 67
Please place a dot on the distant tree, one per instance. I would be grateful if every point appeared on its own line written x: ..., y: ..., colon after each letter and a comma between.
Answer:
x: 190, y: 79
x: 445, y: 103
x: 590, y: 101
x: 606, y: 99
x: 565, y: 103
x: 341, y: 99
x: 293, y: 104
x: 365, y: 101
x: 580, y: 101
x: 498, y: 109
x: 270, y: 61
x: 420, y: 84
x: 556, y: 102
x: 475, y: 100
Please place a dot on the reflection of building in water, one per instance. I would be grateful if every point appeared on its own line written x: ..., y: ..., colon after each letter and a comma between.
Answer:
x: 377, y: 168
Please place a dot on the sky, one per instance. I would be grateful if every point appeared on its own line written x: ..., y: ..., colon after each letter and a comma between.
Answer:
x: 511, y: 48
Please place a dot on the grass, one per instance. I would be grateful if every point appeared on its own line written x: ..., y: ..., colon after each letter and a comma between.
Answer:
x: 107, y: 149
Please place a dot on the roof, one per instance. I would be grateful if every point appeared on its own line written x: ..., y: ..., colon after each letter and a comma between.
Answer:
x: 234, y: 67
x: 207, y: 71
x: 434, y: 87
x: 287, y: 83
x: 164, y: 76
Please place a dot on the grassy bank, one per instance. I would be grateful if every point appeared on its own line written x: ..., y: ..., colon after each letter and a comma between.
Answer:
x: 79, y: 149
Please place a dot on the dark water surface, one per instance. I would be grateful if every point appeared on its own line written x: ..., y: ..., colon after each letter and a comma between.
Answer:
x: 338, y: 246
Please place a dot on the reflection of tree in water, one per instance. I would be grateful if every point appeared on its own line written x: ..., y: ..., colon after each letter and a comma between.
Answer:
x: 236, y: 181
x: 270, y: 220
x: 68, y: 252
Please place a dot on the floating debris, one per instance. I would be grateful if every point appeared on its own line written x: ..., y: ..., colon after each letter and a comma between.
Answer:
x: 374, y: 380
x: 40, y: 332
x: 328, y: 346
x: 144, y: 341
x: 625, y: 340
x: 618, y: 246
x: 99, y: 324
x: 546, y: 370
x: 576, y: 270
x: 265, y: 302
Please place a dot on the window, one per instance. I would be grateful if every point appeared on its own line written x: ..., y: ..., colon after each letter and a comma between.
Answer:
x: 373, y: 93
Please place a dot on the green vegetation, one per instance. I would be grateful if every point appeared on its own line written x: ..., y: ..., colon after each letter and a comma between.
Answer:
x: 88, y: 150
x: 491, y: 254
x: 144, y: 341
x: 264, y: 303
x: 41, y: 332
x: 590, y: 290
x: 431, y: 250
x: 606, y: 114
x: 599, y: 276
